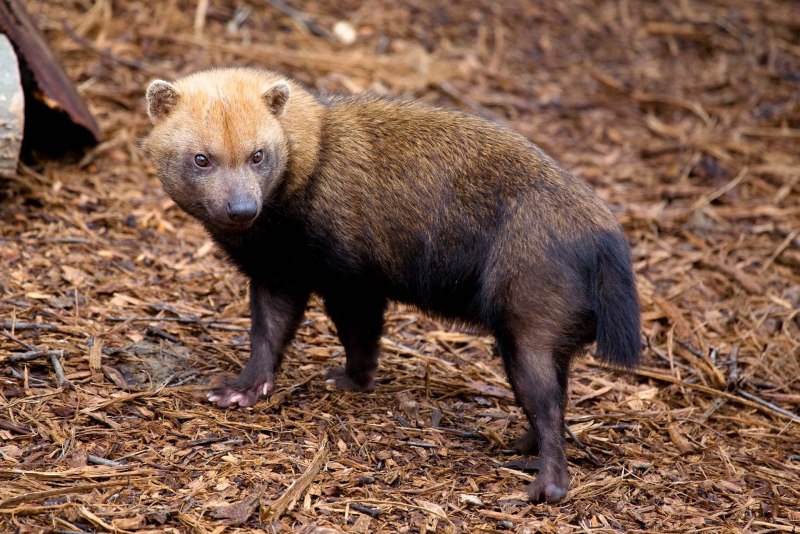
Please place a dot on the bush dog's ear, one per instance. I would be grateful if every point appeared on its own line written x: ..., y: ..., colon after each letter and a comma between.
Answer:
x: 161, y: 99
x: 276, y: 97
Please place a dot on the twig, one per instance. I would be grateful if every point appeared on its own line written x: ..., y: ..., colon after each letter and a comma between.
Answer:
x: 32, y: 355
x: 11, y: 427
x: 92, y: 459
x: 61, y: 380
x: 595, y: 460
x: 691, y: 348
x: 776, y: 526
x: 15, y: 339
x: 420, y: 444
x: 39, y: 495
x: 715, y: 405
x: 463, y: 433
x: 226, y: 327
x: 708, y: 199
x: 24, y: 325
x: 31, y: 379
x: 282, y: 503
x: 301, y: 18
x: 183, y: 380
x: 764, y: 406
x: 788, y: 240
x: 749, y: 396
x: 72, y: 241
x: 200, y: 14
x: 368, y: 510
x: 163, y: 334
x: 216, y: 324
x: 733, y: 375
x: 694, y: 107
x: 140, y: 318
x: 103, y: 52
x: 658, y: 352
x: 783, y: 233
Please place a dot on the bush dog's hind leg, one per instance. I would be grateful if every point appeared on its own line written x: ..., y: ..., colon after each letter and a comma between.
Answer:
x: 274, y: 318
x: 359, y: 322
x: 538, y: 375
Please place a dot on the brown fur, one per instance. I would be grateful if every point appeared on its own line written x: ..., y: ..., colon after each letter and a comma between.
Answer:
x: 364, y: 199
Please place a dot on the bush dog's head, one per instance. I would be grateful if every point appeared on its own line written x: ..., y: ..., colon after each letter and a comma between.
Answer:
x: 217, y: 142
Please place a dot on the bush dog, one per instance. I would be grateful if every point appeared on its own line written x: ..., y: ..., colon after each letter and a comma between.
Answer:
x: 365, y: 199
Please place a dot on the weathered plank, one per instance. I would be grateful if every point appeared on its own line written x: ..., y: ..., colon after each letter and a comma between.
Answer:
x: 49, y: 91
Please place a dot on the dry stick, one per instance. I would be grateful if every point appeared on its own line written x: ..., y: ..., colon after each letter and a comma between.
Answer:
x: 15, y: 339
x: 11, y: 427
x: 93, y: 518
x: 217, y: 324
x: 368, y: 510
x: 142, y: 318
x: 38, y: 495
x: 104, y: 52
x: 61, y: 380
x: 75, y: 473
x: 301, y: 18
x: 595, y: 460
x: 691, y: 348
x: 98, y: 460
x: 733, y: 376
x: 783, y: 233
x: 694, y: 107
x: 420, y: 444
x: 23, y: 325
x: 710, y: 370
x: 715, y: 405
x: 771, y: 406
x: 707, y: 199
x: 776, y: 526
x: 279, y: 505
x: 762, y: 405
x: 200, y: 16
x: 32, y: 355
x: 788, y: 240
x: 159, y: 332
x: 406, y: 505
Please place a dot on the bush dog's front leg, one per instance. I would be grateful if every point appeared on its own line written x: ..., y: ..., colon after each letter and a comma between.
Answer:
x: 274, y: 318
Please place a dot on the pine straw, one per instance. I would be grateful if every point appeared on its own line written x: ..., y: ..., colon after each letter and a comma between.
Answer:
x: 684, y: 117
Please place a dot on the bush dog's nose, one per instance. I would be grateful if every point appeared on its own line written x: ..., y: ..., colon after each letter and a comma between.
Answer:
x: 242, y: 209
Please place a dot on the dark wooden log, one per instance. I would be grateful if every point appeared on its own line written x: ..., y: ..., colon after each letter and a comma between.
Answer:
x: 56, y: 116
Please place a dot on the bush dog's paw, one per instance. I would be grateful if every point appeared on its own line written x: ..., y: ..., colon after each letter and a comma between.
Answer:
x: 546, y: 488
x: 228, y: 394
x: 338, y: 377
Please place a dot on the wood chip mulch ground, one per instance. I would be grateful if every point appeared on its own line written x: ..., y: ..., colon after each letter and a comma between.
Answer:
x: 116, y: 309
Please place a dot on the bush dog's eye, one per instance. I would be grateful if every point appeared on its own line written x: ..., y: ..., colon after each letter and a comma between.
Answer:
x: 258, y: 156
x: 201, y: 160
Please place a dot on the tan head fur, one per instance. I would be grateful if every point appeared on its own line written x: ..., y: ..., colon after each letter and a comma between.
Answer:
x: 220, y: 140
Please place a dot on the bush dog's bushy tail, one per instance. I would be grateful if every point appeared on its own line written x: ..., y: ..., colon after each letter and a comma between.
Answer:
x: 616, y: 304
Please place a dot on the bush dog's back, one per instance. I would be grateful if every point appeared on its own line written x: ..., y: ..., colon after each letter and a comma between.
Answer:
x: 364, y: 199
